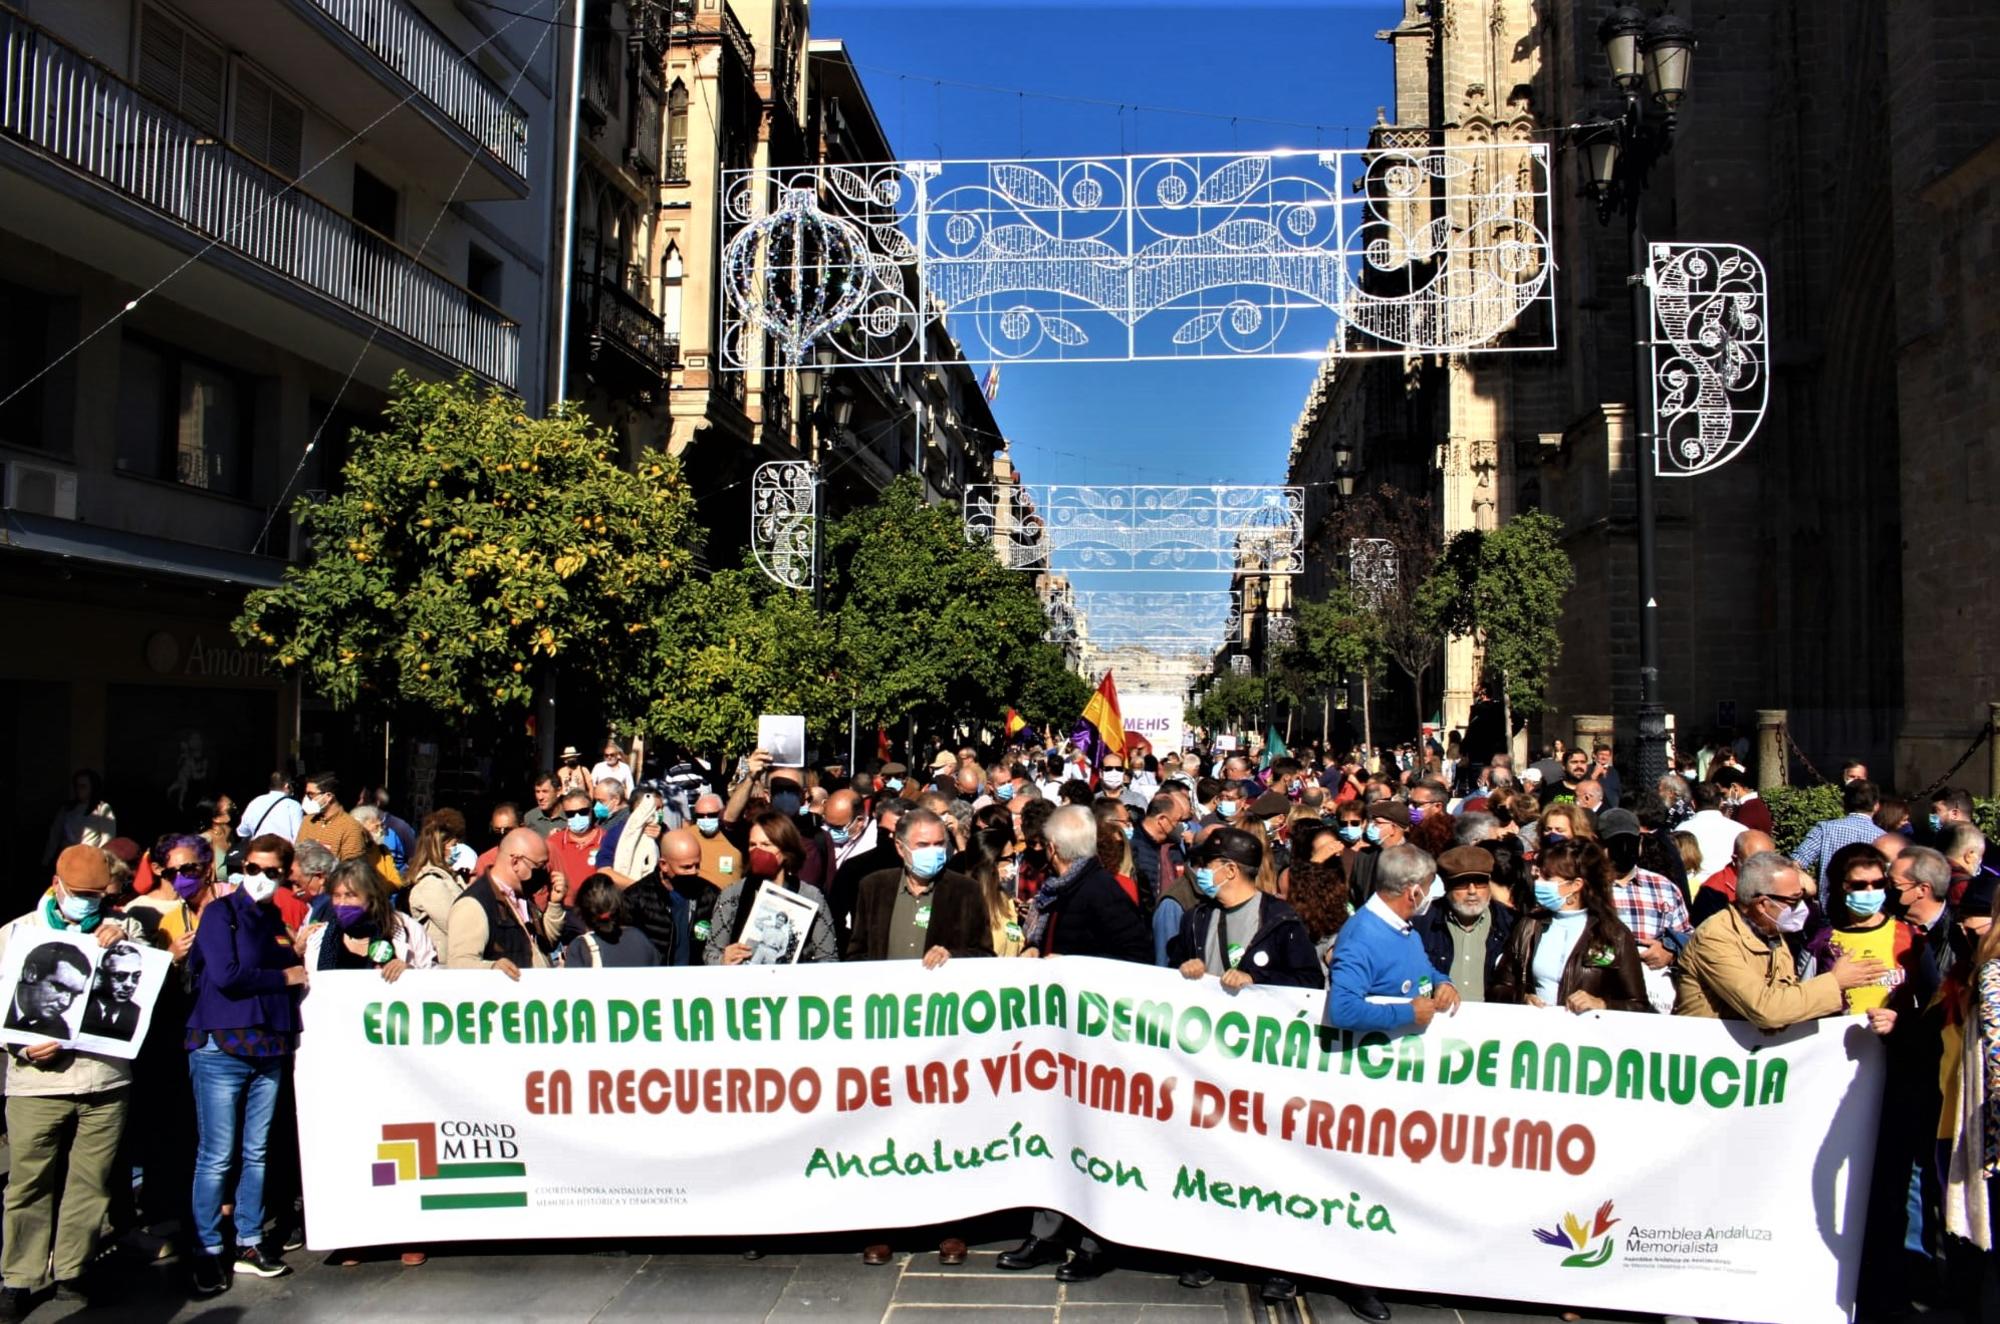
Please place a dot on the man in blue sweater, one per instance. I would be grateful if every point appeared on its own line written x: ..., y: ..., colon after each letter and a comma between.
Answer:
x: 1381, y: 956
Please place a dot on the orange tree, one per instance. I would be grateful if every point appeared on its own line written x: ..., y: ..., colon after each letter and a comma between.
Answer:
x: 470, y: 551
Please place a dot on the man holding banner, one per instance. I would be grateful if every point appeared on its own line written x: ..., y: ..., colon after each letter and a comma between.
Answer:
x: 1381, y: 979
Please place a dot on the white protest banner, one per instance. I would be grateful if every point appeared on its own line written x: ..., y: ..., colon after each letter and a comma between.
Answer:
x: 1698, y: 1167
x: 1157, y: 717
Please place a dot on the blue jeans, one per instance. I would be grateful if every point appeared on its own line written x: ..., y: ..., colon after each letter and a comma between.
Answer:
x: 233, y: 1096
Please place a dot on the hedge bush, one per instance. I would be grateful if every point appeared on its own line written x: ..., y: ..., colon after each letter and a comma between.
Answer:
x: 1794, y: 809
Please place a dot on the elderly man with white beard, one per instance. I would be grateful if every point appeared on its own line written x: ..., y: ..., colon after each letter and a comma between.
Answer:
x: 1466, y: 936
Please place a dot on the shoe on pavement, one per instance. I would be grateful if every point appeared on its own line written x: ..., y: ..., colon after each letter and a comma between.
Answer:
x: 16, y: 1302
x: 951, y: 1251
x: 295, y: 1239
x: 876, y: 1254
x: 207, y: 1276
x: 1277, y: 1289
x: 253, y: 1260
x: 72, y: 1292
x: 1196, y: 1278
x: 1084, y: 1266
x: 1364, y: 1304
x: 1030, y: 1254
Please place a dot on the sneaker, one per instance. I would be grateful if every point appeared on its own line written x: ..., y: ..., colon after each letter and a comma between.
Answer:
x: 207, y: 1276
x: 71, y: 1291
x: 16, y: 1302
x: 296, y: 1238
x: 253, y: 1260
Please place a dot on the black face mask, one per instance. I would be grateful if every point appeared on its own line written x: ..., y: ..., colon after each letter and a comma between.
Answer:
x: 1624, y: 852
x: 539, y: 880
x: 786, y: 803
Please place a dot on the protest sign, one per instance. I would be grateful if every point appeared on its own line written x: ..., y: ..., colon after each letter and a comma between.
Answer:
x: 1157, y: 717
x: 66, y: 986
x: 1698, y: 1167
x: 783, y: 738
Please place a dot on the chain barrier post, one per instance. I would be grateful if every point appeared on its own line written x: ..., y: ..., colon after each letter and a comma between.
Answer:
x: 1770, y: 749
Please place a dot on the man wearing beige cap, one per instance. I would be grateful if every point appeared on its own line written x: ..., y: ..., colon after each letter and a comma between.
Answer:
x: 1465, y: 936
x: 65, y: 1109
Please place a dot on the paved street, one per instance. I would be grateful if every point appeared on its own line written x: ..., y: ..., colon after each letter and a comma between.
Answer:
x: 797, y: 1278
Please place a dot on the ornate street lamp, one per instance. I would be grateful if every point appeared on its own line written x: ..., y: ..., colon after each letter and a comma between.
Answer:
x: 1619, y: 153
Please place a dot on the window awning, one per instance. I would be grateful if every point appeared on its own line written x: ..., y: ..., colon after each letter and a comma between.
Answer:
x: 68, y: 540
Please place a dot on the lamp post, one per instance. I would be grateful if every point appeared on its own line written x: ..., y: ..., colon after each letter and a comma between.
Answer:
x: 1649, y: 61
x: 812, y: 379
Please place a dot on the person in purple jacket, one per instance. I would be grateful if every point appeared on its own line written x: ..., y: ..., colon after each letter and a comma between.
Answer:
x: 242, y: 1029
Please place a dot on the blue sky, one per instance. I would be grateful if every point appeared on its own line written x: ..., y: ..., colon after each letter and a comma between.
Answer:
x: 1311, y: 65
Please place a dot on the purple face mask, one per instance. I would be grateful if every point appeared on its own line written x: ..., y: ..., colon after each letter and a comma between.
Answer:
x: 348, y: 916
x: 188, y: 885
x: 1416, y: 815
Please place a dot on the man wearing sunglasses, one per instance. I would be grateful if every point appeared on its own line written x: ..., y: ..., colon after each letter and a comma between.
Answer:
x: 65, y: 1110
x: 1739, y: 967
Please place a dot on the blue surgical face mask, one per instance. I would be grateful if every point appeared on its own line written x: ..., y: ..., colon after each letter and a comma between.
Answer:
x: 1004, y: 791
x: 1936, y: 822
x: 600, y: 811
x: 1128, y: 832
x: 927, y: 861
x: 1548, y: 895
x: 708, y: 827
x: 1866, y: 902
x: 1226, y: 808
x: 80, y: 909
x: 579, y: 822
x: 1350, y: 832
x: 1373, y: 832
x: 1553, y: 839
x: 839, y: 835
x: 893, y: 783
x: 1204, y: 882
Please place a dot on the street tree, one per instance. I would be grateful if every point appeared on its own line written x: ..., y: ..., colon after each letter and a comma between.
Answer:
x: 470, y: 551
x: 1052, y: 696
x: 1504, y: 588
x: 1407, y: 634
x: 1336, y: 638
x: 733, y: 646
x: 928, y: 625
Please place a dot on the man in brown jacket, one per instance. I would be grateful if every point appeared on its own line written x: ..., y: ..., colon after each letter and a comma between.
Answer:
x: 329, y: 824
x: 919, y: 911
x: 1739, y: 967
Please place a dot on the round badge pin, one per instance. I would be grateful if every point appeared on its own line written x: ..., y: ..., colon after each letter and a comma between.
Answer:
x: 1261, y: 958
x: 1406, y: 985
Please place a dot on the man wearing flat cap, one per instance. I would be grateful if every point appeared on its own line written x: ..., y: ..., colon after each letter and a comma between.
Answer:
x: 1466, y: 936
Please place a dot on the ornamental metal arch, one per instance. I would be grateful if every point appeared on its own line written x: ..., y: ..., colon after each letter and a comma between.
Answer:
x: 1127, y: 258
x: 1711, y: 352
x: 784, y: 516
x: 1372, y: 568
x: 1197, y: 621
x: 1062, y: 527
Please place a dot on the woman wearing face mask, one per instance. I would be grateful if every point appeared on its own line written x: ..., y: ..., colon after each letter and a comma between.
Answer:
x: 242, y: 1030
x: 1860, y: 926
x: 183, y: 871
x: 434, y: 881
x: 1571, y: 950
x: 990, y: 862
x: 1386, y: 825
x: 364, y: 931
x: 1560, y: 823
x: 774, y: 857
x: 212, y: 822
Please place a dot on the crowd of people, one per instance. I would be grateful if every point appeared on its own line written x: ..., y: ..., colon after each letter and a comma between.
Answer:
x: 1402, y: 882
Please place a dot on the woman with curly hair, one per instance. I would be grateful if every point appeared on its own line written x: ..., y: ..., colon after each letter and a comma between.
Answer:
x: 1319, y: 895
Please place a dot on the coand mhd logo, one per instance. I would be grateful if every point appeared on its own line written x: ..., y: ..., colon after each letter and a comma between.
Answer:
x: 482, y: 1154
x: 1574, y: 1235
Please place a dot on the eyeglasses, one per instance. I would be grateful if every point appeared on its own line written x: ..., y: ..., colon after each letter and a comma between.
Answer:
x: 1786, y: 901
x: 182, y: 871
x: 264, y: 871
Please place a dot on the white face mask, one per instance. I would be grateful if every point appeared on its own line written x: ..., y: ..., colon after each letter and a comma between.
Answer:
x: 259, y: 886
x: 311, y: 805
x: 1423, y: 904
x: 1792, y: 918
x: 1114, y: 777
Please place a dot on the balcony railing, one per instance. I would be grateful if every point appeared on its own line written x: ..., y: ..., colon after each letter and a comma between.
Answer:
x: 677, y: 164
x: 62, y: 105
x: 428, y: 61
x: 623, y: 320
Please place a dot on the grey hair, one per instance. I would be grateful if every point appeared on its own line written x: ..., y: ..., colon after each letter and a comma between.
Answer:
x: 1759, y: 874
x: 1475, y: 827
x: 315, y: 860
x: 1401, y: 868
x: 1958, y: 838
x: 912, y: 819
x: 614, y: 790
x: 1928, y: 867
x: 1072, y: 834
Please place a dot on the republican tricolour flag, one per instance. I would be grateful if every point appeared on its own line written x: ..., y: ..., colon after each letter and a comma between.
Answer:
x: 1014, y: 726
x: 1101, y: 729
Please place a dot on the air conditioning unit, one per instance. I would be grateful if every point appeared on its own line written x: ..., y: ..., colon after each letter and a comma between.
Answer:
x: 39, y: 489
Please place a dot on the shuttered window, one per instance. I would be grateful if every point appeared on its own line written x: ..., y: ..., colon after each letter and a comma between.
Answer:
x: 266, y: 124
x: 181, y: 71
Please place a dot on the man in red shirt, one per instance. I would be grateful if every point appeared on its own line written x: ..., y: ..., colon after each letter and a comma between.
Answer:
x: 573, y: 846
x: 1719, y: 892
